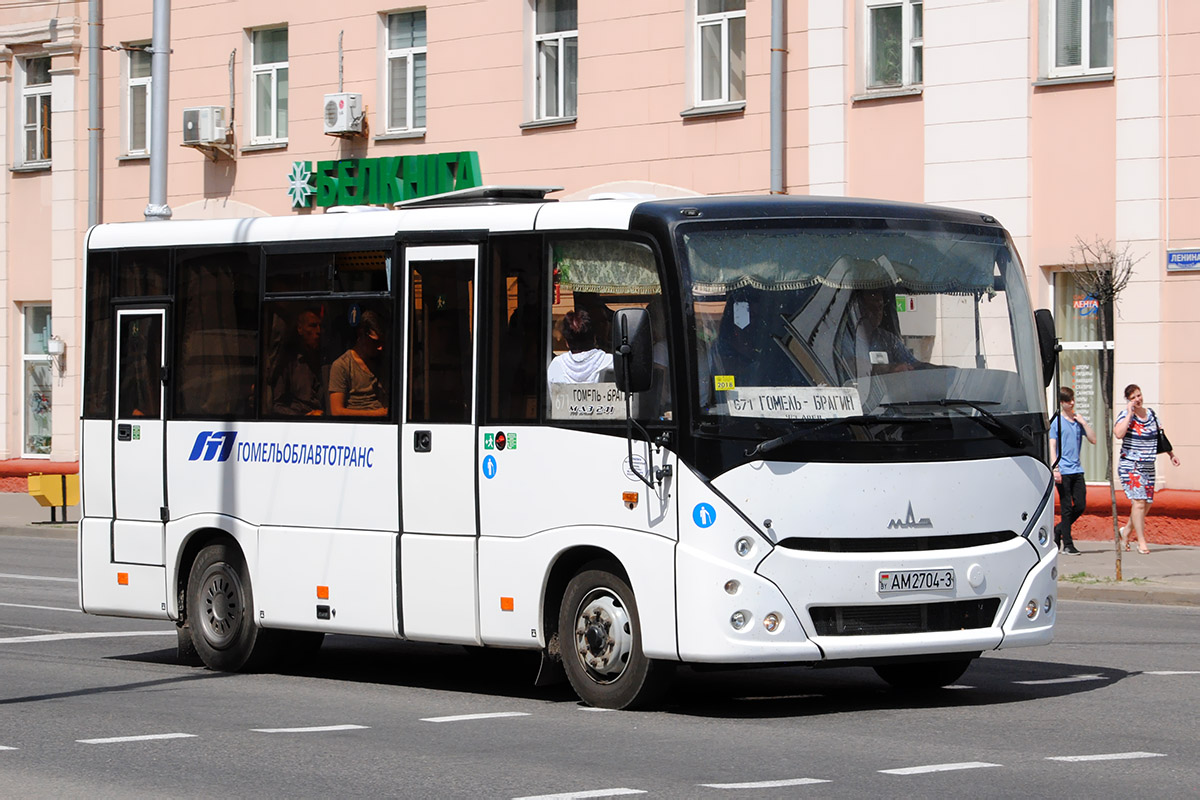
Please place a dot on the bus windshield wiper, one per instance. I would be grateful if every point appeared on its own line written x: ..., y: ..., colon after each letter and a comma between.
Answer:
x: 987, y: 419
x: 796, y: 435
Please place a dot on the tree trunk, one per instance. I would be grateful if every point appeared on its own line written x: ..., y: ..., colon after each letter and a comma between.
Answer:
x: 1106, y: 392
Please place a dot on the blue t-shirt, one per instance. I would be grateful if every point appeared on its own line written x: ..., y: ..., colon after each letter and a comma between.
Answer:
x: 1068, y: 446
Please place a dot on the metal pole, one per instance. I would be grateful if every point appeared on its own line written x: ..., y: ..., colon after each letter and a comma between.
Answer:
x: 94, y: 118
x: 777, y: 109
x: 160, y: 99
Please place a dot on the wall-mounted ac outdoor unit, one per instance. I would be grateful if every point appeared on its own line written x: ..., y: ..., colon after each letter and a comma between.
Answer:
x: 343, y: 113
x: 204, y: 125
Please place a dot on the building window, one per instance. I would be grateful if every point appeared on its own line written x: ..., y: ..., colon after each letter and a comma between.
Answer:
x: 1081, y: 37
x: 137, y: 101
x: 35, y: 110
x: 894, y: 45
x: 37, y: 388
x: 406, y: 71
x: 269, y: 73
x: 720, y: 51
x: 556, y: 59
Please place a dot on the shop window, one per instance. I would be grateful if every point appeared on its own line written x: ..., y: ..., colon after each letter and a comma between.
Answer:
x: 1084, y: 346
x: 37, y: 380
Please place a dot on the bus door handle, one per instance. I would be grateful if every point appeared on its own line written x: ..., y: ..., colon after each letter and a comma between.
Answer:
x: 422, y: 441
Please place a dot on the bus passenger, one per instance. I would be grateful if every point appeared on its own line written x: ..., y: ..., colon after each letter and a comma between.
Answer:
x: 297, y: 390
x: 585, y: 362
x: 354, y: 389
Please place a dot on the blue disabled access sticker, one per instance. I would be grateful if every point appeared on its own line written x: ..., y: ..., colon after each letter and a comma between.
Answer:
x: 489, y: 467
x: 704, y: 515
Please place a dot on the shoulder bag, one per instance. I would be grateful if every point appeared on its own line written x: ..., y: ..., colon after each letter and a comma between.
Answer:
x: 1164, y: 444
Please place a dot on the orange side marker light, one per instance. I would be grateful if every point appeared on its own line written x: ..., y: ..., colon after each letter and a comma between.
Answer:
x: 122, y: 578
x: 322, y: 592
x: 630, y: 499
x: 506, y: 604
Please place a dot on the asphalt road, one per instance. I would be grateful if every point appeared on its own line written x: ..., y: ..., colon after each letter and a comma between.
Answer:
x: 97, y: 707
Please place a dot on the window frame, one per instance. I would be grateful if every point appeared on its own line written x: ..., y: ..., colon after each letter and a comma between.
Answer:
x: 273, y: 69
x: 41, y: 127
x: 28, y: 359
x: 1082, y: 69
x: 131, y: 83
x: 539, y: 85
x: 912, y: 46
x: 408, y: 54
x: 720, y: 19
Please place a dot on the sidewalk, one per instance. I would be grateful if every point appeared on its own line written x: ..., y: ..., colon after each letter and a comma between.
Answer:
x: 1170, y: 575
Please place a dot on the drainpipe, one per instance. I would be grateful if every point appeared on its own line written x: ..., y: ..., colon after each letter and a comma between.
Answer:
x: 777, y: 110
x: 94, y: 116
x: 160, y: 99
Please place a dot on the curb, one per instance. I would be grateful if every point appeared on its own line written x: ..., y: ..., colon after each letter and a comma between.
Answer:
x: 1148, y: 592
x: 48, y: 531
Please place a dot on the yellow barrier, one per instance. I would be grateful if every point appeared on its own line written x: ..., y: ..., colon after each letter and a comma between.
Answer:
x: 55, y: 491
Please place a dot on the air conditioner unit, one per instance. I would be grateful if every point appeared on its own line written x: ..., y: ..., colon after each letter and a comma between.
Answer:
x: 204, y: 125
x: 343, y: 113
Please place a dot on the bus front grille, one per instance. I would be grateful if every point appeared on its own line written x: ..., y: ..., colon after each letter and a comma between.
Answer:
x: 912, y: 618
x: 895, y: 544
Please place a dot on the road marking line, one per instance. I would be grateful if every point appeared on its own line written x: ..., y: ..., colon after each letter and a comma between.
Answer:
x: 580, y: 795
x: 313, y: 729
x: 765, y: 784
x: 1174, y: 672
x: 41, y: 608
x: 62, y: 637
x: 2, y: 747
x: 37, y: 578
x: 593, y: 708
x: 495, y: 715
x: 938, y: 768
x: 1072, y: 679
x: 959, y: 686
x: 146, y: 738
x: 1107, y: 757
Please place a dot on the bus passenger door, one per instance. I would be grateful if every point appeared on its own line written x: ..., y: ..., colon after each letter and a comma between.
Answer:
x: 437, y: 445
x: 138, y: 451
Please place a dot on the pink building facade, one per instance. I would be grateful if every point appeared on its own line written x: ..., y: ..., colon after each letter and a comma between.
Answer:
x: 1067, y: 121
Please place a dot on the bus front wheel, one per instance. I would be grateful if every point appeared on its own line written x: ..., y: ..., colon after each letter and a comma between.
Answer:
x: 923, y: 676
x: 219, y: 607
x: 600, y: 632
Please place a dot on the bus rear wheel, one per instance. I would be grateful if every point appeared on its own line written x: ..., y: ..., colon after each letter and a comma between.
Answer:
x: 923, y: 676
x: 219, y: 608
x: 600, y: 632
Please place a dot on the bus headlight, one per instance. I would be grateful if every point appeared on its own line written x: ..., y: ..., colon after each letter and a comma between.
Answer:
x: 772, y: 622
x: 1031, y: 610
x: 743, y: 546
x: 740, y: 620
x: 1048, y: 604
x: 1043, y: 537
x: 732, y: 587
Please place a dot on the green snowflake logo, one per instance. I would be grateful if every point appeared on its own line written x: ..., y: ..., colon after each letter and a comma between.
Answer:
x: 300, y: 184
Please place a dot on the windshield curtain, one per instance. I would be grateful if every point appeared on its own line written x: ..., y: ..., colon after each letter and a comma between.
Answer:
x: 884, y: 318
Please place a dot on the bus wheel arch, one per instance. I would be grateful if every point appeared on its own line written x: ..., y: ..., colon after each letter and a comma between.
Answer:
x: 600, y: 642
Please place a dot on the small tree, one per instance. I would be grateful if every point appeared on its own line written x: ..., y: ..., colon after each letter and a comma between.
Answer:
x: 1102, y: 272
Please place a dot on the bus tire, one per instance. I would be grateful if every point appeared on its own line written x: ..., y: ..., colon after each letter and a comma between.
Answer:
x: 600, y: 634
x: 923, y: 676
x: 219, y: 605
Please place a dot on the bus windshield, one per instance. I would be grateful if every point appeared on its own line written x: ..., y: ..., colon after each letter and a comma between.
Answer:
x: 859, y: 320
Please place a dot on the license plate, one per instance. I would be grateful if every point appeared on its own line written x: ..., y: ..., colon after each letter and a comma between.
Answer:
x: 915, y: 580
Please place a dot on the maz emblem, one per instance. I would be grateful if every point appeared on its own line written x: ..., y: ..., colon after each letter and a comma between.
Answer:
x: 910, y: 521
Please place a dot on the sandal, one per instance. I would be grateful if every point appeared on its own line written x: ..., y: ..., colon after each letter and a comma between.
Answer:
x: 1145, y: 552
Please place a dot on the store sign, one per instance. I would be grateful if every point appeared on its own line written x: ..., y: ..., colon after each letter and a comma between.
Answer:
x: 381, y: 181
x: 1183, y: 260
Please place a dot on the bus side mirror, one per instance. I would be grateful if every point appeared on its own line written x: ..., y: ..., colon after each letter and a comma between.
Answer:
x: 1047, y: 343
x: 633, y: 357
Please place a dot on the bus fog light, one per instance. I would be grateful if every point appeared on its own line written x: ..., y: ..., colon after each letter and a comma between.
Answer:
x: 1043, y: 537
x: 739, y: 620
x: 1031, y: 610
x: 1048, y: 604
x: 732, y: 587
x: 1054, y: 573
x: 772, y: 622
x: 743, y: 546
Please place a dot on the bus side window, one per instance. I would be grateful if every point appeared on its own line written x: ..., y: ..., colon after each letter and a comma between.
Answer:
x: 515, y: 329
x: 593, y: 279
x: 216, y: 333
x: 98, y: 347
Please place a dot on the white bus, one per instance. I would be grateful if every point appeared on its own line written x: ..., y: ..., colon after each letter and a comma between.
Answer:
x: 414, y: 424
